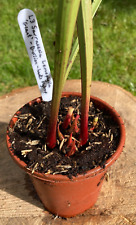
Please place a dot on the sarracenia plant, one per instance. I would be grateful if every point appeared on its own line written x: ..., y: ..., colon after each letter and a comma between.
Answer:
x: 70, y: 12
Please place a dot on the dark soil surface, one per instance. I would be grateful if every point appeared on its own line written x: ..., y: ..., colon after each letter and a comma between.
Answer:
x: 28, y: 138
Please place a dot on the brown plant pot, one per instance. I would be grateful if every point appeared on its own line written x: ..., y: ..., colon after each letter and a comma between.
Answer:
x: 61, y: 195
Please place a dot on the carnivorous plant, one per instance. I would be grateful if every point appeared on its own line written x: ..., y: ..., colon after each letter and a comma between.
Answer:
x: 70, y: 13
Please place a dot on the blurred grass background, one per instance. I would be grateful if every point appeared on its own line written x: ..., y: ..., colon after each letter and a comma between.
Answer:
x: 114, y: 43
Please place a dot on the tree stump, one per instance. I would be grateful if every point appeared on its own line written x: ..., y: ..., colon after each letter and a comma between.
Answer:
x: 116, y: 204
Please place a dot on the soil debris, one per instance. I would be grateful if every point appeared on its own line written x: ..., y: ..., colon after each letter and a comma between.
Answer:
x: 28, y: 138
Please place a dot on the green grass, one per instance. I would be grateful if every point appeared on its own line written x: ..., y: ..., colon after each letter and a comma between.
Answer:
x: 114, y: 43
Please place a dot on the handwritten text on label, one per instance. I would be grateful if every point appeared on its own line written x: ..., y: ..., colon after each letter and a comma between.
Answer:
x: 33, y: 41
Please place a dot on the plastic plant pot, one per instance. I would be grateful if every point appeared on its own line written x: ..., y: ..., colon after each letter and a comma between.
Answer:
x: 68, y: 197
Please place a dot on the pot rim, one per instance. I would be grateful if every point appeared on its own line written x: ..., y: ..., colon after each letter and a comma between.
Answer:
x: 92, y: 172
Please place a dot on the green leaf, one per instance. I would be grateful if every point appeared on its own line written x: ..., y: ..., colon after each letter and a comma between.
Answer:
x: 95, y: 6
x: 75, y: 49
x: 72, y: 57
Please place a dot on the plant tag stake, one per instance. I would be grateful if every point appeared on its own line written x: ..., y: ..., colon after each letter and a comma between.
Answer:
x: 33, y: 41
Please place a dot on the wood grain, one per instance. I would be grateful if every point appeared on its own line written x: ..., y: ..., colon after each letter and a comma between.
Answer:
x: 19, y: 203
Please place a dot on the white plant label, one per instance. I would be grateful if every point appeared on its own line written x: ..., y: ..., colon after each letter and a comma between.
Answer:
x: 33, y: 41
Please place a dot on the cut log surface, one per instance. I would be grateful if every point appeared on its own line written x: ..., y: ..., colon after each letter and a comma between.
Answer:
x: 116, y: 204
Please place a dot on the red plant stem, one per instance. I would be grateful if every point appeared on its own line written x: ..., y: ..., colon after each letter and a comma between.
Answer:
x: 66, y: 122
x: 85, y: 36
x: 84, y: 122
x: 51, y: 137
x: 68, y: 118
x: 74, y: 127
x: 69, y: 140
x: 76, y: 120
x: 72, y: 149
